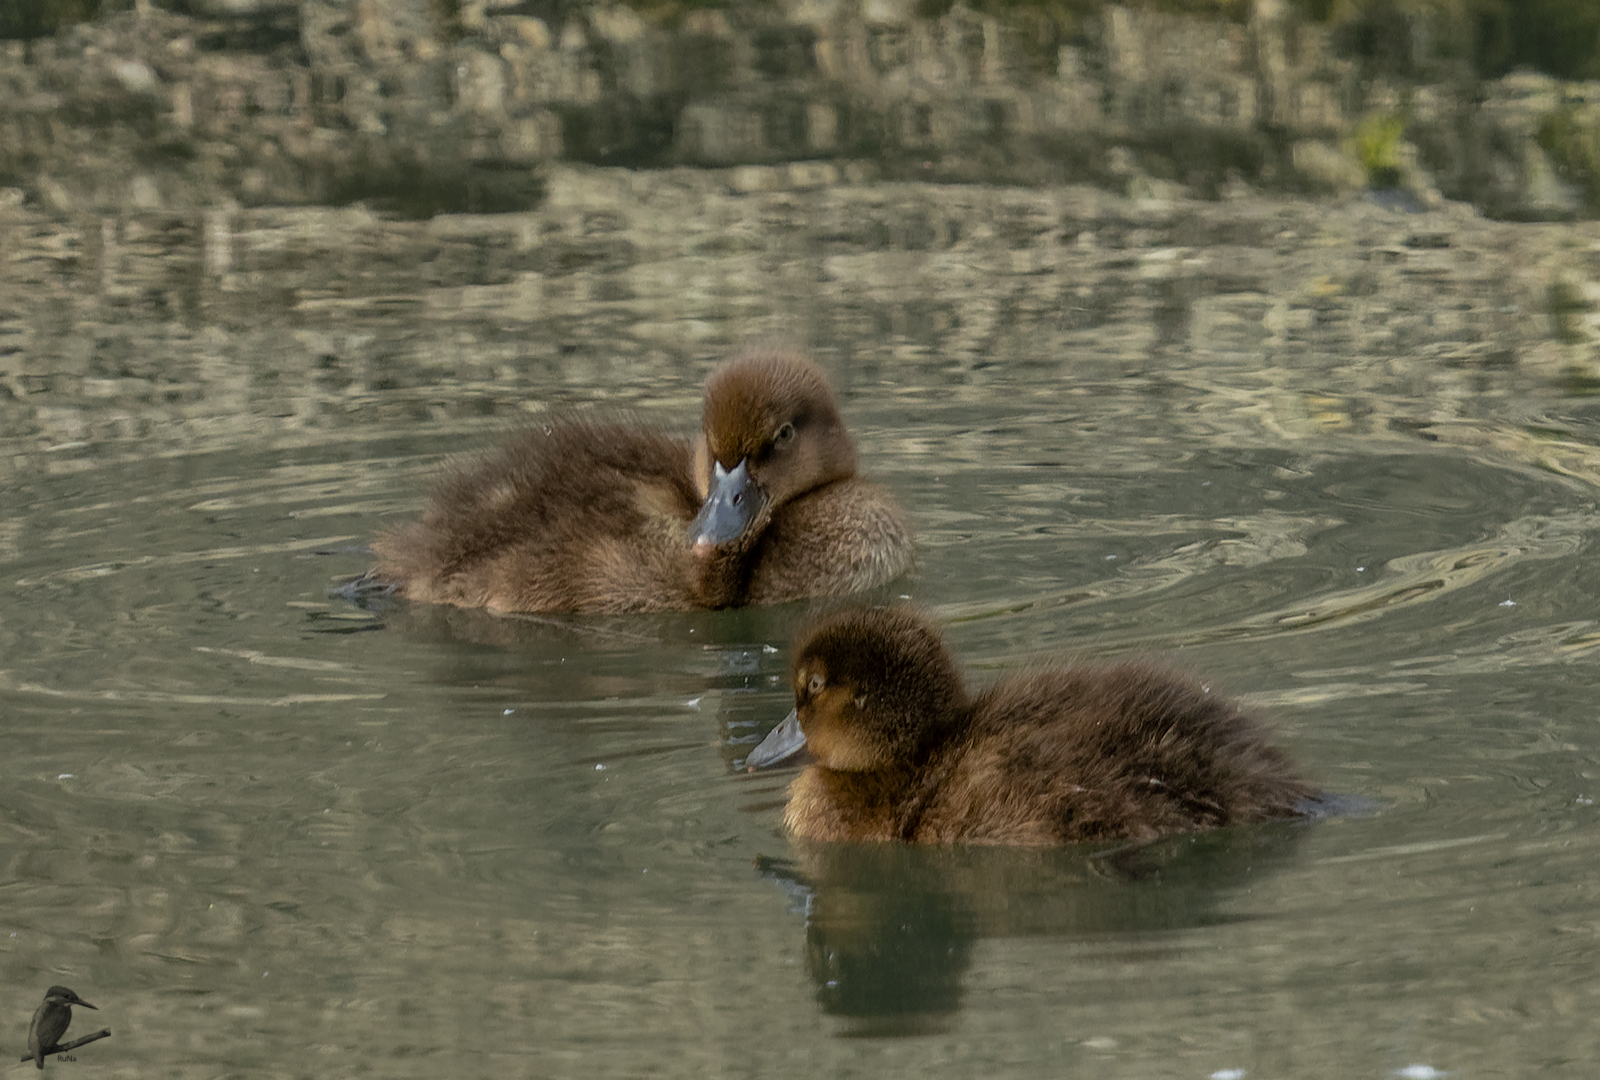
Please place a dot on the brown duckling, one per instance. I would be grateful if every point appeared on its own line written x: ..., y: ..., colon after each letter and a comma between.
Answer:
x: 902, y: 752
x: 764, y: 506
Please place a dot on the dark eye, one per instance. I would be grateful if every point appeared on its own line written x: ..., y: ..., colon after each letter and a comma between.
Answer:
x: 816, y: 684
x: 785, y: 433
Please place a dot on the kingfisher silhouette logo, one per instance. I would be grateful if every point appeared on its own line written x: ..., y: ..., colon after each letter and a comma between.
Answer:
x: 50, y: 1021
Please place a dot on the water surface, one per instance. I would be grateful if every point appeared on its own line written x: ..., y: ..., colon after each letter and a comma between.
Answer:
x: 269, y: 832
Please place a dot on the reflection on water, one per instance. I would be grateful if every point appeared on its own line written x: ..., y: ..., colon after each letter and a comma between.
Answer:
x: 890, y: 928
x: 230, y: 821
x: 260, y: 825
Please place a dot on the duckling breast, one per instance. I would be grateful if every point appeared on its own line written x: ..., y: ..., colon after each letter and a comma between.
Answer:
x: 844, y: 538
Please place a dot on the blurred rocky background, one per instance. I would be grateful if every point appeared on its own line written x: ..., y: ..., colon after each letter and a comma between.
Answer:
x: 421, y: 106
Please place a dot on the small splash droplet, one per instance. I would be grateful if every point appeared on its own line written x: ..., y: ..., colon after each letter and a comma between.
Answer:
x: 1228, y: 1074
x: 1508, y: 603
x: 1111, y: 558
x: 66, y: 776
x: 1420, y: 1072
x: 599, y: 768
x: 507, y: 712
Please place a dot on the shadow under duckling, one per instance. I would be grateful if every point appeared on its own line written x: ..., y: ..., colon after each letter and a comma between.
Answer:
x: 1126, y: 751
x: 763, y: 507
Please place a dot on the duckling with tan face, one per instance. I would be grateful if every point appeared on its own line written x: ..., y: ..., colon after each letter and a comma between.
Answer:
x: 764, y: 506
x: 1126, y: 751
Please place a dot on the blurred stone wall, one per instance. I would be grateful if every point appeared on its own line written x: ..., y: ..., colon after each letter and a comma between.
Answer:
x: 424, y: 107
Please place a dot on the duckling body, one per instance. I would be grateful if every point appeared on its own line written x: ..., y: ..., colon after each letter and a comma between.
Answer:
x: 763, y: 507
x: 1127, y: 751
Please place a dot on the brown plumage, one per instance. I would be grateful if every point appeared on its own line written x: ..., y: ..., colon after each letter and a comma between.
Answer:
x: 763, y: 507
x: 1126, y: 751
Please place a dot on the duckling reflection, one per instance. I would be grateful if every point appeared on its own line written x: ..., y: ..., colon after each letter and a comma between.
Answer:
x: 763, y: 507
x: 1122, y: 752
x: 892, y: 929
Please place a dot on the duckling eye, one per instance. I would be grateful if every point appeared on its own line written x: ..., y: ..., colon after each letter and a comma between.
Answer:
x: 785, y: 433
x: 816, y: 684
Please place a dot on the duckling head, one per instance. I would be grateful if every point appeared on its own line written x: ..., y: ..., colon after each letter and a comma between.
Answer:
x: 771, y: 433
x: 873, y: 689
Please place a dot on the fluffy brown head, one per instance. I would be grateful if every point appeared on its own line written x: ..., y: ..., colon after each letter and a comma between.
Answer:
x: 875, y: 688
x: 773, y: 410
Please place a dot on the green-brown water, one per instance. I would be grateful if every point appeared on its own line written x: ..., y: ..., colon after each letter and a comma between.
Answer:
x: 272, y: 834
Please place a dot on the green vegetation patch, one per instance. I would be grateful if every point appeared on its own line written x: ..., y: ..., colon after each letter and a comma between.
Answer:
x: 1377, y: 146
x: 1572, y: 140
x: 1558, y: 37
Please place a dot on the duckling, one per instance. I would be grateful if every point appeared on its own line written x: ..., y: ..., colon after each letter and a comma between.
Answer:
x: 50, y: 1022
x: 764, y: 506
x: 902, y: 752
